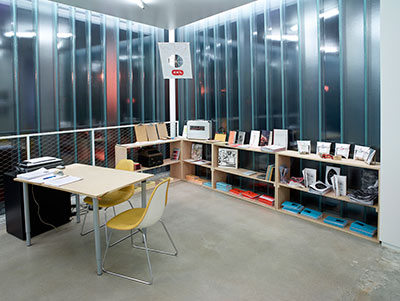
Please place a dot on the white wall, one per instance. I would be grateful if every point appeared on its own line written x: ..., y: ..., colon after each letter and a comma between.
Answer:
x: 390, y: 120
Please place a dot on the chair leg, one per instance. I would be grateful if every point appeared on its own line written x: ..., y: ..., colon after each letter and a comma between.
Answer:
x: 128, y: 277
x: 83, y: 225
x: 130, y: 203
x: 160, y: 251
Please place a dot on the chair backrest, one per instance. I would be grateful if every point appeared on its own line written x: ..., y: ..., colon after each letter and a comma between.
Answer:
x: 128, y: 165
x: 156, y: 205
x: 125, y: 164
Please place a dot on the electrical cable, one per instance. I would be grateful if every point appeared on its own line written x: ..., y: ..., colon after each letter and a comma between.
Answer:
x: 38, y: 211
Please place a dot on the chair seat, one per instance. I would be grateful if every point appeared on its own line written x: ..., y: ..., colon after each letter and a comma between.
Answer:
x: 112, y: 198
x: 127, y: 220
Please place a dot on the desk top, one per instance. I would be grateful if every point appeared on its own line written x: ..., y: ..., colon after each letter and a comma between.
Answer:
x: 96, y: 181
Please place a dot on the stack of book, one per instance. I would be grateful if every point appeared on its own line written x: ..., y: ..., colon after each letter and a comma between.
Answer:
x: 250, y: 194
x: 196, y: 179
x: 208, y: 184
x: 292, y: 207
x: 266, y: 199
x: 314, y: 214
x: 223, y: 186
x: 363, y: 228
x: 236, y: 191
x: 335, y: 221
x: 270, y: 175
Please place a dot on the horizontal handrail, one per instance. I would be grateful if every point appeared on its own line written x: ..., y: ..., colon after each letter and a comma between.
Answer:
x: 75, y: 131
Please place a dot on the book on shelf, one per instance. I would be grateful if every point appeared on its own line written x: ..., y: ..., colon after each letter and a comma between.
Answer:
x: 363, y: 228
x: 249, y: 173
x: 241, y: 138
x: 232, y: 137
x: 223, y: 186
x: 264, y: 138
x: 339, y: 185
x: 227, y: 158
x: 220, y: 137
x: 175, y: 153
x: 273, y: 148
x: 281, y: 138
x: 254, y: 138
x: 197, y: 151
x: 314, y: 214
x: 250, y: 194
x: 335, y: 221
x: 236, y: 191
x: 270, y: 175
x: 320, y: 188
x: 283, y: 174
x: 310, y: 176
x: 292, y: 207
x: 296, y: 182
x: 266, y: 199
x: 330, y: 172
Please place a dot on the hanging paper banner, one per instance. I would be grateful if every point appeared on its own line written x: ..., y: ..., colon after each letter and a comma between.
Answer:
x: 175, y: 60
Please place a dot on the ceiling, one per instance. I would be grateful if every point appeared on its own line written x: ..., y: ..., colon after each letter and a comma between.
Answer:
x: 168, y: 14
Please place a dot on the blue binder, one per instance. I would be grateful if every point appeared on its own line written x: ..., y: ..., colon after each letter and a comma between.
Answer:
x: 314, y: 214
x: 335, y: 221
x: 363, y: 228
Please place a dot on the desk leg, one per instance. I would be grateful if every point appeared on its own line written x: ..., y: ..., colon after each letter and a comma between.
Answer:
x: 144, y: 202
x: 97, y: 241
x: 27, y: 216
x: 78, y: 208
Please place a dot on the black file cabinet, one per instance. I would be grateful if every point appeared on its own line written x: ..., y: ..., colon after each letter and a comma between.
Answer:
x: 55, y: 207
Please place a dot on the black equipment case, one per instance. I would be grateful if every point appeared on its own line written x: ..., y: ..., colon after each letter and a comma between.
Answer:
x: 150, y: 157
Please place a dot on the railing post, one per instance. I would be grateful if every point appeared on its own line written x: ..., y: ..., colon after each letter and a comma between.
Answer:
x: 93, y: 148
x: 28, y: 147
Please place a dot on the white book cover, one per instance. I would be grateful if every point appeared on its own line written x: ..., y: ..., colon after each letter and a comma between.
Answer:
x: 281, y: 138
x: 254, y: 138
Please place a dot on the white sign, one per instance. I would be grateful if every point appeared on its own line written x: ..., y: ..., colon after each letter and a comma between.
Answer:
x: 175, y: 60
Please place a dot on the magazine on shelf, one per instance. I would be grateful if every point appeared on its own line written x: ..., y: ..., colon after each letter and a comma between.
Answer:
x: 330, y: 172
x: 310, y: 176
x: 232, y: 137
x: 254, y: 138
x: 228, y: 158
x: 241, y: 137
x: 197, y: 151
x: 175, y: 154
x: 339, y: 185
x: 264, y: 138
x: 320, y: 188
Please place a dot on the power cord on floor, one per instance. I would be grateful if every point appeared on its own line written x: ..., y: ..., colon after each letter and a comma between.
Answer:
x: 38, y: 210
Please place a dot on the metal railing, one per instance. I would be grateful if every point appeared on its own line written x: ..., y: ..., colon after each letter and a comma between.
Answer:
x: 93, y: 146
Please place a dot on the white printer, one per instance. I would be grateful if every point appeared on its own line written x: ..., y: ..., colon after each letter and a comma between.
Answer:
x: 199, y: 129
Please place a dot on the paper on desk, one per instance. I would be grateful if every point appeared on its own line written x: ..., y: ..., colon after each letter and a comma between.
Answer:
x: 44, y: 179
x: 62, y: 180
x: 42, y: 172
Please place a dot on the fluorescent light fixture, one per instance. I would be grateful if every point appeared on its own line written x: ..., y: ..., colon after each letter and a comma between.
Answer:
x: 329, y: 14
x: 139, y: 3
x: 277, y: 37
x: 329, y: 49
x: 294, y: 28
x: 27, y: 34
x: 64, y: 35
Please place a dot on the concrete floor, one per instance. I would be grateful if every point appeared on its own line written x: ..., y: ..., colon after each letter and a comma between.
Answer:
x: 229, y: 250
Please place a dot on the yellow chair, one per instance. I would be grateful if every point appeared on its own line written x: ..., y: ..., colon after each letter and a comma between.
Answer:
x: 113, y: 198
x: 139, y: 219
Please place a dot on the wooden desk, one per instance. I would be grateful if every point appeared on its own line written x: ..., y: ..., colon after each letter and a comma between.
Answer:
x: 96, y: 181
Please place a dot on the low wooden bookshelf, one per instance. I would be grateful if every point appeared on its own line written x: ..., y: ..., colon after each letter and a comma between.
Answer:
x: 185, y: 166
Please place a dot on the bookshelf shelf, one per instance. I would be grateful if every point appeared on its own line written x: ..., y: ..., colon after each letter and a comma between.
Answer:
x: 245, y: 199
x: 205, y: 165
x: 330, y: 195
x: 167, y: 162
x: 320, y: 221
x: 241, y: 173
